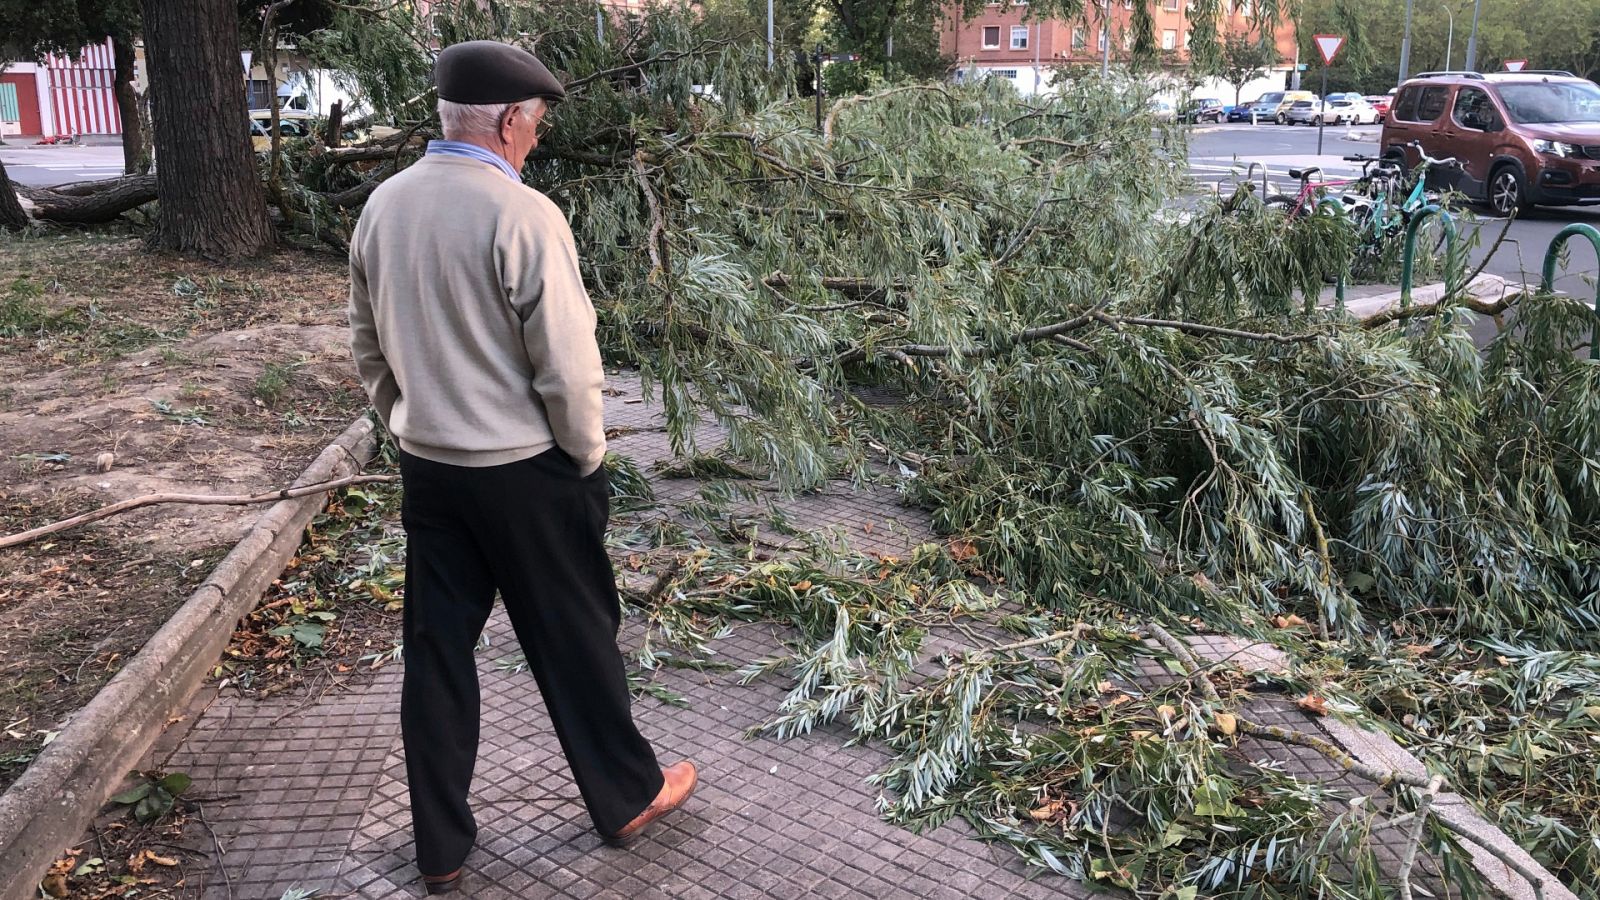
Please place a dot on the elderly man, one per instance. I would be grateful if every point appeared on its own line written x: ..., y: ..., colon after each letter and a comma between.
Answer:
x: 474, y: 338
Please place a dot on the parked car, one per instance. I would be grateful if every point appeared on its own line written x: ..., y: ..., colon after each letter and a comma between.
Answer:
x: 1240, y: 113
x: 1380, y: 105
x: 1522, y: 138
x: 1162, y: 110
x: 1275, y: 105
x: 1203, y: 109
x: 1347, y: 110
x: 1304, y: 112
x: 292, y: 123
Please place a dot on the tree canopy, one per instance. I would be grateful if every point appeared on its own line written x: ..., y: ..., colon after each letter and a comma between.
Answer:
x: 31, y: 28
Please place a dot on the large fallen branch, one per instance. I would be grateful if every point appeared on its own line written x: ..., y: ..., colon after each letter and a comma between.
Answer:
x: 90, y: 203
x: 122, y: 506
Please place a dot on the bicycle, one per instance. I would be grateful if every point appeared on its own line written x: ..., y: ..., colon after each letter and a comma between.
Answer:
x: 1379, y: 214
x: 1375, y: 211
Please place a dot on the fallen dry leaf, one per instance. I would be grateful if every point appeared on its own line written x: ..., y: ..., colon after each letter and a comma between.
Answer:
x: 962, y: 549
x: 54, y: 884
x: 1046, y: 812
x: 804, y: 585
x: 1289, y: 621
x: 1227, y: 723
x: 1313, y: 704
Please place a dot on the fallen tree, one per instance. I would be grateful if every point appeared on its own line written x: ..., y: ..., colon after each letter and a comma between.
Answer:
x: 1124, y: 415
x: 90, y: 202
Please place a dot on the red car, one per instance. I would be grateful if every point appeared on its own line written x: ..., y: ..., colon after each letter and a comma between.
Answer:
x: 1381, y: 103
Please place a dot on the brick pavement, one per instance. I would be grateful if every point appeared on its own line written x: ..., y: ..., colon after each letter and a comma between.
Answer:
x: 321, y: 802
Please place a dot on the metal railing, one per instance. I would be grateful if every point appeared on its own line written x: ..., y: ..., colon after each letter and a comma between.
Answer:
x: 1452, y: 267
x: 1548, y: 280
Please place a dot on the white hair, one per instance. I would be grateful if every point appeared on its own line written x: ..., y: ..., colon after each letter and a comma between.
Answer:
x: 479, y: 119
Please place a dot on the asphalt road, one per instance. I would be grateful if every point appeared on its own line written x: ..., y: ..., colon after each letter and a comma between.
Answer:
x: 46, y: 166
x: 1216, y: 151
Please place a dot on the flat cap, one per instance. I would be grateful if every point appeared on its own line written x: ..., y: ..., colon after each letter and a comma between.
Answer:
x: 484, y: 72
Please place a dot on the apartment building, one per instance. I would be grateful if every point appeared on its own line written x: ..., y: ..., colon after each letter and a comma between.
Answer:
x: 1002, y: 42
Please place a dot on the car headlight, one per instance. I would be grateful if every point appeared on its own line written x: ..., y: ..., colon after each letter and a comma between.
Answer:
x: 1555, y: 148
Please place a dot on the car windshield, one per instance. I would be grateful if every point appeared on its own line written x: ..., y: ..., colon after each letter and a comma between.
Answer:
x: 1551, y: 103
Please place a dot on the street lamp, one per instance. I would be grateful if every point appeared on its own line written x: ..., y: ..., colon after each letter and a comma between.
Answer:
x: 1405, y: 47
x: 1472, y: 39
x: 1450, y: 40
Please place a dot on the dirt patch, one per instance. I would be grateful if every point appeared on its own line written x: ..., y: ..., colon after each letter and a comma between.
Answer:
x: 125, y: 373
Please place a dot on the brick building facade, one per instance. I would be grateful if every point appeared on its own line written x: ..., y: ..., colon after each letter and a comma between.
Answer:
x: 1001, y: 41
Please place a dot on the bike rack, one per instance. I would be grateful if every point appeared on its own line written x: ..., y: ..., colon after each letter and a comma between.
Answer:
x: 1547, y: 282
x: 1409, y: 258
x: 1338, y: 287
x: 1250, y: 173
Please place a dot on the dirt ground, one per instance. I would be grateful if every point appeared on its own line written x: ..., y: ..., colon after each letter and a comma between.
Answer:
x: 125, y: 373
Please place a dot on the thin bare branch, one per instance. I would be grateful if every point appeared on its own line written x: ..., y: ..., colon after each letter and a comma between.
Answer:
x: 122, y: 506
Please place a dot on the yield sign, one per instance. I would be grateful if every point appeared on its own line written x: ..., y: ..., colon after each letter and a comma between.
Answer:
x: 1515, y: 65
x: 1328, y: 45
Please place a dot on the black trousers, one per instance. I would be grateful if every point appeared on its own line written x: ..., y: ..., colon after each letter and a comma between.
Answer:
x: 535, y: 531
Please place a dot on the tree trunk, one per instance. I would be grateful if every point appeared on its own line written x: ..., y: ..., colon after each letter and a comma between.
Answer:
x: 211, y: 198
x: 11, y: 214
x: 330, y: 134
x: 133, y: 160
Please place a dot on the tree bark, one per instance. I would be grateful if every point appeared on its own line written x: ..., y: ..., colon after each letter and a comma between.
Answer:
x: 212, y: 203
x: 82, y: 206
x: 133, y: 158
x: 331, y: 134
x: 11, y: 212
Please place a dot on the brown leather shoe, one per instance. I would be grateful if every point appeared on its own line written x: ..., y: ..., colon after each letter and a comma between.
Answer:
x: 442, y: 884
x: 680, y: 779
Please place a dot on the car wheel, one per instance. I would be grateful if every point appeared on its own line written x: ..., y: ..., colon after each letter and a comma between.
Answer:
x: 1282, y: 119
x: 1508, y: 193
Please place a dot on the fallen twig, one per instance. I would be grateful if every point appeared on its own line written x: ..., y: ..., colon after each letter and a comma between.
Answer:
x: 122, y: 506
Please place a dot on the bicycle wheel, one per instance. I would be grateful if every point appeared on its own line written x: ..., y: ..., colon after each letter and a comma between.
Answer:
x: 1285, y: 203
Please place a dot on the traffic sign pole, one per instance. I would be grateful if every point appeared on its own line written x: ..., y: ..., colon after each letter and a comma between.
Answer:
x: 1322, y: 118
x: 1328, y: 47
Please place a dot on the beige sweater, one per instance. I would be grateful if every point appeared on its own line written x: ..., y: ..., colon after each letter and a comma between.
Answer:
x: 469, y: 322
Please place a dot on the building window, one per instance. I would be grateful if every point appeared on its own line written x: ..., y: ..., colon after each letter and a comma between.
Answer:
x: 1100, y: 44
x: 1019, y: 37
x: 258, y: 94
x: 991, y: 37
x: 1169, y: 39
x: 1172, y: 5
x: 1005, y: 73
x: 1080, y: 41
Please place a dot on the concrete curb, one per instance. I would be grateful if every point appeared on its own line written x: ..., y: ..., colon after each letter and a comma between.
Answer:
x: 1380, y: 751
x: 1485, y: 287
x: 71, y: 779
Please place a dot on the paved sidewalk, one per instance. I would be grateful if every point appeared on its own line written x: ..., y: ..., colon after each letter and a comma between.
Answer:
x: 321, y: 803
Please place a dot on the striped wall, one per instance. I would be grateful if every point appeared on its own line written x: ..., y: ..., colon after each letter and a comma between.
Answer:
x: 83, y: 96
